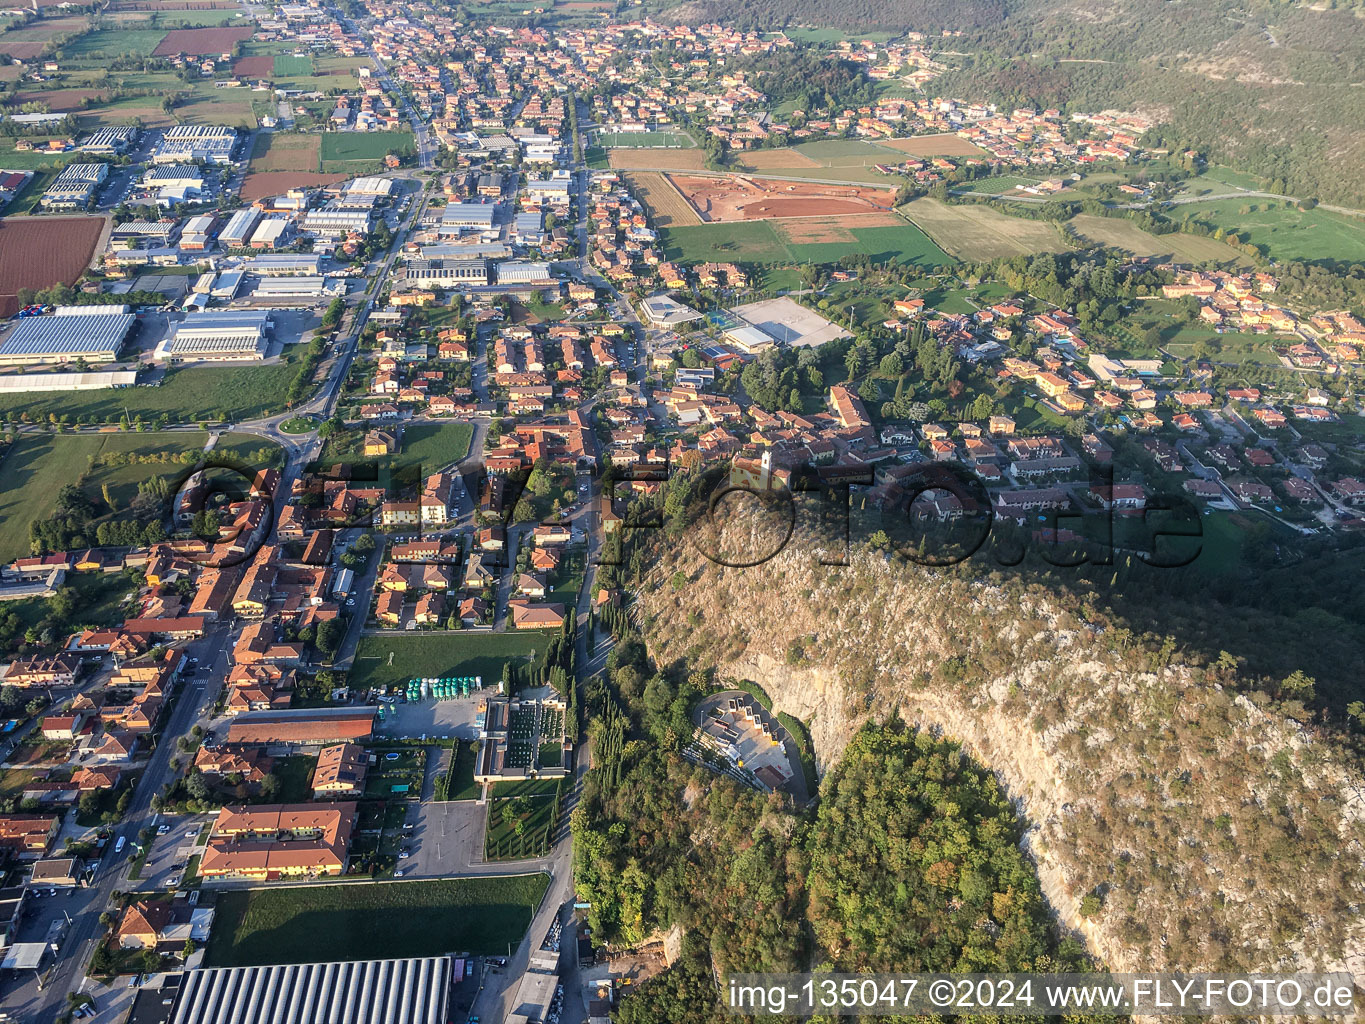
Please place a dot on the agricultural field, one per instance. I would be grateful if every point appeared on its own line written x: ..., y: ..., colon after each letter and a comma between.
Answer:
x: 974, y: 232
x: 320, y: 923
x: 278, y: 151
x: 40, y: 252
x: 839, y: 159
x: 735, y: 198
x: 254, y: 67
x: 260, y: 184
x: 287, y: 65
x: 202, y: 42
x: 1001, y: 184
x: 370, y: 147
x: 813, y: 240
x: 658, y: 159
x: 32, y: 39
x: 1282, y: 230
x: 105, y: 43
x: 389, y: 660
x: 752, y: 241
x: 934, y: 145
x: 666, y: 205
x: 185, y: 396
x: 1124, y: 234
x: 644, y: 140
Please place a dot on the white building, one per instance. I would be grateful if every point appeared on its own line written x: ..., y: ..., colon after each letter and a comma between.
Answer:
x: 218, y: 336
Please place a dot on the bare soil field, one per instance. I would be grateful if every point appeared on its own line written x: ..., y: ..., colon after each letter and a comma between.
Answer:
x: 971, y: 232
x: 669, y: 159
x: 286, y: 152
x: 820, y: 230
x: 254, y: 67
x: 935, y: 145
x: 59, y: 101
x: 1124, y: 234
x: 38, y: 252
x: 666, y: 205
x: 31, y: 40
x: 741, y: 198
x: 201, y: 42
x: 259, y: 184
x: 777, y: 159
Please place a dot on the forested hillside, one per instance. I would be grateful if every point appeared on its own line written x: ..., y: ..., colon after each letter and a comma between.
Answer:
x: 1186, y: 808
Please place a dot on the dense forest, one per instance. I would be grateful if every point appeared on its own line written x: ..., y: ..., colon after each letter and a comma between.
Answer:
x: 894, y: 15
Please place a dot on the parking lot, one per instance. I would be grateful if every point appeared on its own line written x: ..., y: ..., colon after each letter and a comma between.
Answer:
x: 170, y: 851
x: 433, y: 718
x: 446, y: 837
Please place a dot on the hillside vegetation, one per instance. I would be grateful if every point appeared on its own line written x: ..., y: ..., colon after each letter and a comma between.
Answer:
x: 1180, y: 815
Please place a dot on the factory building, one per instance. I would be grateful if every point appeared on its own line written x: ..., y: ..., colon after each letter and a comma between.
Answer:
x: 218, y: 336
x: 334, y: 223
x: 448, y: 272
x: 196, y: 143
x: 74, y: 187
x: 239, y: 227
x: 96, y: 337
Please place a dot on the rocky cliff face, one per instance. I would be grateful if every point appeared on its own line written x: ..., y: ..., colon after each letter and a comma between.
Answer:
x: 1216, y: 831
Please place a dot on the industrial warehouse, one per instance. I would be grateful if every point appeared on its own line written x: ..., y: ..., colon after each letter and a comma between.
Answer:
x: 218, y: 336
x: 92, y: 333
x: 409, y: 991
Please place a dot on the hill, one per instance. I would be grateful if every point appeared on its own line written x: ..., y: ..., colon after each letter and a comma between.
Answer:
x: 1180, y: 816
x: 1264, y: 86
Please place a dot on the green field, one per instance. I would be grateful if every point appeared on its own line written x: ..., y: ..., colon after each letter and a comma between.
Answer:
x: 999, y: 185
x: 434, y: 445
x: 40, y: 465
x: 901, y: 244
x: 519, y: 822
x: 187, y: 395
x: 114, y: 42
x: 370, y: 146
x: 289, y: 66
x: 442, y: 654
x: 752, y: 241
x: 644, y: 140
x: 1283, y: 231
x: 32, y: 474
x: 364, y: 921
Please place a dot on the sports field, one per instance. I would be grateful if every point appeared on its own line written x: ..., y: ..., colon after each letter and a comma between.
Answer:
x: 386, y: 660
x: 666, y: 205
x: 644, y: 140
x: 794, y: 241
x: 1001, y: 184
x: 1282, y: 230
x: 1124, y: 234
x: 973, y: 232
x: 370, y: 921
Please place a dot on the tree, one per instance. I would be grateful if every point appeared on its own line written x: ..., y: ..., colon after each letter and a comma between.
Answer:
x: 328, y: 636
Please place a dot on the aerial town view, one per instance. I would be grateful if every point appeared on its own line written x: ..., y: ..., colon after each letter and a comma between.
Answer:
x: 599, y: 511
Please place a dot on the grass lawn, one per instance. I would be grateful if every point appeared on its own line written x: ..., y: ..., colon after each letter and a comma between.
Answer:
x: 30, y: 477
x: 461, y: 785
x: 434, y: 445
x: 320, y: 923
x: 27, y: 199
x: 442, y: 654
x: 1282, y: 230
x: 186, y: 395
x: 1120, y: 233
x: 643, y: 140
x: 289, y: 66
x: 899, y: 244
x: 295, y: 775
x: 998, y: 185
x: 530, y: 810
x: 752, y: 241
x: 974, y: 231
x: 136, y: 42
